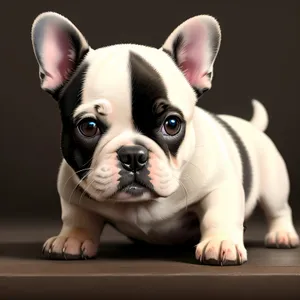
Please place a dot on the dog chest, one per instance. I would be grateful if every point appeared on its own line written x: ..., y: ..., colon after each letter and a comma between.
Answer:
x: 178, y: 229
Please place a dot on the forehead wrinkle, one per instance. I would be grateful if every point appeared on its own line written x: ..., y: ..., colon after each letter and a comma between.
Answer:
x: 84, y: 108
x: 96, y: 105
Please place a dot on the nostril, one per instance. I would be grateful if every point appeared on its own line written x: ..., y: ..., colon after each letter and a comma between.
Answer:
x: 133, y: 158
x: 142, y: 157
x: 125, y: 158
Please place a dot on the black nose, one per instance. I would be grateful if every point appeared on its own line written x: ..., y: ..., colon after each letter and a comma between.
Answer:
x: 133, y: 158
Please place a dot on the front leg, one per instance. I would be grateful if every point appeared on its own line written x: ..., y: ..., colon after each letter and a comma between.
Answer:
x: 221, y: 215
x: 79, y: 237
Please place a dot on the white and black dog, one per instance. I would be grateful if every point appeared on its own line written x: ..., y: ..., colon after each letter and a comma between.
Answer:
x: 139, y: 155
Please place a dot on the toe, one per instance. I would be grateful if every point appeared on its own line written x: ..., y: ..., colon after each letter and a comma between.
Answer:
x: 58, y: 245
x: 211, y: 253
x: 270, y: 240
x: 294, y: 240
x: 282, y: 240
x: 47, y: 247
x: 221, y: 252
x: 89, y: 249
x: 241, y: 253
x: 228, y: 254
x: 72, y: 248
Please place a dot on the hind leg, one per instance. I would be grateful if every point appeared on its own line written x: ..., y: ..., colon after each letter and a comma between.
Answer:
x: 275, y: 188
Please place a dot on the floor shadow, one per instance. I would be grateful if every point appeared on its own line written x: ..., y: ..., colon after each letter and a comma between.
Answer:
x: 24, y: 250
x: 116, y: 251
x: 147, y: 252
x: 107, y: 251
x: 254, y: 244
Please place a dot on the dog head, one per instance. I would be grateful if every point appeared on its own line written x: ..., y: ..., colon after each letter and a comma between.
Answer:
x: 126, y: 110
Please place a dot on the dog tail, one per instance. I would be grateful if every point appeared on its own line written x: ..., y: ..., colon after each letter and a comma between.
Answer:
x: 260, y: 118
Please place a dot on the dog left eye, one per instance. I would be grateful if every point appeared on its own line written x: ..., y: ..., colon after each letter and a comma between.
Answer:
x: 88, y: 128
x: 172, y: 126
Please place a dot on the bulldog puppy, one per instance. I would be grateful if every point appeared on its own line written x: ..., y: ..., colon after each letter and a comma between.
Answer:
x: 139, y: 155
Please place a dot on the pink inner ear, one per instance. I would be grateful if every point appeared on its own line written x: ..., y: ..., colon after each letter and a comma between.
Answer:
x: 193, y: 55
x: 58, y: 57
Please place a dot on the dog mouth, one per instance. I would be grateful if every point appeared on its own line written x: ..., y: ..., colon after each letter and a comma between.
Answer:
x: 131, y: 189
x: 134, y: 189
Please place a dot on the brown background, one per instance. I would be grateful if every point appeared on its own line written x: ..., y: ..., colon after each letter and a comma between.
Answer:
x: 259, y: 58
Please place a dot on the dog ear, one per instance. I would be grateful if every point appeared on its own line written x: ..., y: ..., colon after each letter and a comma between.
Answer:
x: 194, y: 46
x: 59, y: 47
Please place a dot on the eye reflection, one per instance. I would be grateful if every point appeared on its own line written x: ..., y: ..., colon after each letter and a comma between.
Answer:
x: 172, y: 126
x: 88, y: 128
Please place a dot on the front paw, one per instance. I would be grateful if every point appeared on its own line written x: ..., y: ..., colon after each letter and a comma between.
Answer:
x: 221, y: 252
x: 69, y: 248
x: 282, y: 239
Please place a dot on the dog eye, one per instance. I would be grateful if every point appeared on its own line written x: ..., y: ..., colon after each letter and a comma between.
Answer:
x: 89, y: 128
x: 172, y: 126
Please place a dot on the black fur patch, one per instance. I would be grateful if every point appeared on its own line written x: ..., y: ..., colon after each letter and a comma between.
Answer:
x: 168, y: 52
x: 246, y: 163
x: 77, y: 151
x: 150, y: 105
x: 141, y: 177
x: 176, y: 47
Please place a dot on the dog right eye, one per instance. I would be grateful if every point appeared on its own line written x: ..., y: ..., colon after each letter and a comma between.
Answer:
x: 89, y: 128
x: 171, y: 126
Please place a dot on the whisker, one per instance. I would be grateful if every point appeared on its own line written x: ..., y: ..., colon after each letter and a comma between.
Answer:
x: 75, y: 173
x: 88, y: 162
x: 87, y: 174
x: 85, y: 190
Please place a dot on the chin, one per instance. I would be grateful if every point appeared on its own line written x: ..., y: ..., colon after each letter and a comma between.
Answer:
x: 129, y: 194
x: 134, y: 193
x: 129, y: 198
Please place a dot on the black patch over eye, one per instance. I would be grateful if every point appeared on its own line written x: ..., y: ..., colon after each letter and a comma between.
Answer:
x: 89, y: 128
x: 151, y: 107
x: 172, y: 126
x: 172, y: 132
x: 87, y: 133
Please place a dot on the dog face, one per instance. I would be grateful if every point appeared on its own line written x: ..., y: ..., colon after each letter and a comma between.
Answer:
x: 126, y: 110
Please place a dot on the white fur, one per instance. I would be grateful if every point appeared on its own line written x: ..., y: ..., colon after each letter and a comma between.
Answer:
x: 205, y: 178
x: 211, y: 181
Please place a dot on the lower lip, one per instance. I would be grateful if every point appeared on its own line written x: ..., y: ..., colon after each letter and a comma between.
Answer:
x: 134, y: 189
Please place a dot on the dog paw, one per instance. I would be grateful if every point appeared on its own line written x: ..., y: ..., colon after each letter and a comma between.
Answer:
x: 281, y: 240
x: 69, y: 248
x: 222, y: 252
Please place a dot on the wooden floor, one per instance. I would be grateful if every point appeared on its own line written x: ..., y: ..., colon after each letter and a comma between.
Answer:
x: 125, y: 270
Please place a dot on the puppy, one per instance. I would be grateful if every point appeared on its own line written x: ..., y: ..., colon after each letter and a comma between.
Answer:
x: 139, y: 155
